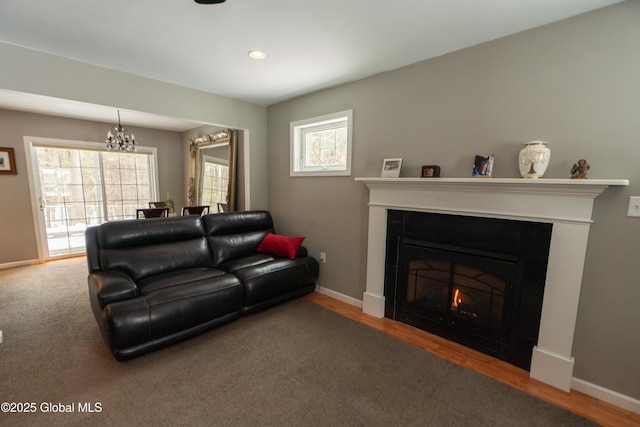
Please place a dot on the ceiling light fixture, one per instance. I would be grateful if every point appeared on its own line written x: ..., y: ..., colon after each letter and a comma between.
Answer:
x: 119, y: 139
x: 257, y: 54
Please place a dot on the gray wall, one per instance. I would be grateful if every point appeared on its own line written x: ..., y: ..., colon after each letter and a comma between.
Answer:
x: 16, y: 219
x: 574, y: 84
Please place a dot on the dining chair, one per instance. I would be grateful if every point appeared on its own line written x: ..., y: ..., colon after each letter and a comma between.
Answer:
x: 195, y: 210
x: 223, y: 207
x: 152, y: 213
x: 158, y: 205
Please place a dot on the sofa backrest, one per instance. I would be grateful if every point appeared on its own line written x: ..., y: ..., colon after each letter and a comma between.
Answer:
x: 147, y: 247
x: 236, y: 234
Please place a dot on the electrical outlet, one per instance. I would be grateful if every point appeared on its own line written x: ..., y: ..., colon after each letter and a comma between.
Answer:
x: 323, y: 257
x: 634, y: 206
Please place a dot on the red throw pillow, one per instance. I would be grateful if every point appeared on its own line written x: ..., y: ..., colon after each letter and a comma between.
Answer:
x: 280, y: 245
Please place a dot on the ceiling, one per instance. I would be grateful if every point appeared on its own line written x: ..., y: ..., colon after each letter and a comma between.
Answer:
x: 310, y: 45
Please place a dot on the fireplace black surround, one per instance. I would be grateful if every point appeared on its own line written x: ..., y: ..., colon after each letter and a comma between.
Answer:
x: 476, y: 281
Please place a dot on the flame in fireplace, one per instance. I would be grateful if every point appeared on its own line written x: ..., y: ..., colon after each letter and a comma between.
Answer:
x: 455, y: 304
x: 456, y: 300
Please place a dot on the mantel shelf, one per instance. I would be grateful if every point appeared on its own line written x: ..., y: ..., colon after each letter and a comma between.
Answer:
x: 490, y: 181
x: 591, y: 187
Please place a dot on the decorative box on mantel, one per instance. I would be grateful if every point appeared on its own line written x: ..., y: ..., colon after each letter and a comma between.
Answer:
x: 565, y: 203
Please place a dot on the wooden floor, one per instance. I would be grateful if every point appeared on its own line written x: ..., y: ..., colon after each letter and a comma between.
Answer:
x: 579, y: 403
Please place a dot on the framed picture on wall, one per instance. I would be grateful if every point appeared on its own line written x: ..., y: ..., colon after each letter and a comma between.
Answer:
x: 483, y: 166
x: 7, y: 161
x: 391, y: 168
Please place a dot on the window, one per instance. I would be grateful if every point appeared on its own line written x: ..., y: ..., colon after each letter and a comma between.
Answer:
x: 321, y: 146
x: 215, y: 181
x: 127, y: 183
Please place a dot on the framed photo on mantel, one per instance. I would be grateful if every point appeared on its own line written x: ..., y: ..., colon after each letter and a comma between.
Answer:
x: 430, y: 171
x: 483, y: 166
x: 391, y: 168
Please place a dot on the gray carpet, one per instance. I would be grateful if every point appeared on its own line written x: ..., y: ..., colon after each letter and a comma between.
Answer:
x: 294, y: 365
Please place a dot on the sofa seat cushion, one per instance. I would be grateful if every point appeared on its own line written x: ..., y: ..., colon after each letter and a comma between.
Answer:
x: 162, y: 310
x: 188, y: 304
x: 177, y: 277
x: 273, y: 279
x: 248, y: 261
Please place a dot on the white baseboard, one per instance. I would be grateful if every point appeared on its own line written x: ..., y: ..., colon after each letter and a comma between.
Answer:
x: 550, y: 368
x: 19, y: 263
x: 606, y: 395
x: 339, y: 296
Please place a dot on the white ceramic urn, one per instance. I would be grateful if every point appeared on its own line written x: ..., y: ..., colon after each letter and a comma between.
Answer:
x: 534, y: 159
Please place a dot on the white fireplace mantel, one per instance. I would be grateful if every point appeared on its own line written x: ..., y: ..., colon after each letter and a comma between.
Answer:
x: 566, y: 203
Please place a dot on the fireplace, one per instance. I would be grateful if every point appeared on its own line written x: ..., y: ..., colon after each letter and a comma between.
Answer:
x: 566, y: 204
x: 476, y: 281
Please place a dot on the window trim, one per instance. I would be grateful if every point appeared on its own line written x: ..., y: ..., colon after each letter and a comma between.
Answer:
x: 297, y: 129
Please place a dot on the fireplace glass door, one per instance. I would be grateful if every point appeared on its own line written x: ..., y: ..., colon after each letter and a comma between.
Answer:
x: 464, y: 294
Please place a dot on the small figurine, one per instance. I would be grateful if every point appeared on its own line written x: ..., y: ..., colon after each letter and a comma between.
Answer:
x: 579, y: 171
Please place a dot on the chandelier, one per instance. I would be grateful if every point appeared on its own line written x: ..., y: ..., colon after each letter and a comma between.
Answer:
x: 119, y: 139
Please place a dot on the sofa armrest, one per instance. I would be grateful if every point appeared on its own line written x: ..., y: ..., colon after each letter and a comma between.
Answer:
x: 302, y: 252
x: 111, y: 286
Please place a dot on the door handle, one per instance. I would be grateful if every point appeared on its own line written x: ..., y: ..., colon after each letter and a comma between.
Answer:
x: 42, y: 204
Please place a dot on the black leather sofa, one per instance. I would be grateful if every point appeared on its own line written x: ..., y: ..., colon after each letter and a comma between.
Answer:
x: 155, y: 282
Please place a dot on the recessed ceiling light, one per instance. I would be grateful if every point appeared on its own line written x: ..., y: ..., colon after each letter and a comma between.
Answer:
x: 257, y: 54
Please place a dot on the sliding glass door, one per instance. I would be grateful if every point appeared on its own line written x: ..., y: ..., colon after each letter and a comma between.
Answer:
x: 78, y: 185
x: 70, y: 196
